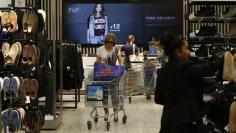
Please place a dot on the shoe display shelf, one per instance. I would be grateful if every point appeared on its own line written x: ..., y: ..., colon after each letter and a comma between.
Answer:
x: 212, y: 2
x: 53, y: 120
x: 210, y: 20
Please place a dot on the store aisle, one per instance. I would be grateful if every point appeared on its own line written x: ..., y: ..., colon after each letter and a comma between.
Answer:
x: 143, y: 117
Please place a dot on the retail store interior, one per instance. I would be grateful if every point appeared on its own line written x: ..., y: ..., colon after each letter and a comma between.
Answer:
x: 119, y: 66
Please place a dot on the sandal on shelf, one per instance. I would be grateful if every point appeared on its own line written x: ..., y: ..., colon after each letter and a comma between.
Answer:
x: 25, y: 52
x: 26, y: 88
x: 14, y: 50
x: 14, y: 86
x: 6, y: 87
x: 16, y: 120
x: 5, y: 49
x: 34, y: 88
x: 19, y: 53
x: 32, y: 55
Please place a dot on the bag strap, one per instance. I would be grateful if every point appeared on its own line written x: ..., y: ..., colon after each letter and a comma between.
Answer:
x: 116, y: 50
x: 133, y: 48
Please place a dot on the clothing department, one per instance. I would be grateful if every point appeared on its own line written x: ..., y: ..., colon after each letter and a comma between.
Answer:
x: 73, y: 71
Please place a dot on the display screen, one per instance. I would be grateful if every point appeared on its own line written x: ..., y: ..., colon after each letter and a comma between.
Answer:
x: 140, y: 19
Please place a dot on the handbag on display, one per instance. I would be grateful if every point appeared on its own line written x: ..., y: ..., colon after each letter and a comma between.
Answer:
x: 104, y: 72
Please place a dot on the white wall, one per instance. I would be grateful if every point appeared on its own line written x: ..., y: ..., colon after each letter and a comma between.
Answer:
x: 20, y: 3
x: 5, y: 3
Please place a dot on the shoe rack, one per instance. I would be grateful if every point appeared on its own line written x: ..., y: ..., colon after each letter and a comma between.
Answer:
x: 55, y: 119
x: 217, y: 18
x: 209, y: 22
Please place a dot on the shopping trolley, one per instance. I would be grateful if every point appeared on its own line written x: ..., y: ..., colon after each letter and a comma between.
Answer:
x: 149, y: 74
x: 134, y: 80
x: 105, y: 94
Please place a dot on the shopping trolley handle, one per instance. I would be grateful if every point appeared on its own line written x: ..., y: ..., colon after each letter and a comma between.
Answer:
x: 136, y: 61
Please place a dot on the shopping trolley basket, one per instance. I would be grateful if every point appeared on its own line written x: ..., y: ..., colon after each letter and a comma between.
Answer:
x: 134, y: 80
x: 105, y: 94
x: 149, y: 81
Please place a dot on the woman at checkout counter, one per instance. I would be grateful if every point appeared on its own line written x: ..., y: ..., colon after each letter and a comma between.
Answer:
x: 130, y: 49
x: 154, y: 49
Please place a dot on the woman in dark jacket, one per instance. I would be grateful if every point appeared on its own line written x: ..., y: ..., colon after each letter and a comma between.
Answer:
x: 179, y: 86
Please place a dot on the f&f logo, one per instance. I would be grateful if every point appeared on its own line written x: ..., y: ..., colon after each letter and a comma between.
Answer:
x: 73, y: 10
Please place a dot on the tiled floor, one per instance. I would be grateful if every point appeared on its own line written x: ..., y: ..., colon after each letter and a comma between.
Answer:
x: 143, y: 117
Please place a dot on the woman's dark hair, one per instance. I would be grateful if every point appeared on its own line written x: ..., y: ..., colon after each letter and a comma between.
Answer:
x: 102, y: 11
x: 171, y: 41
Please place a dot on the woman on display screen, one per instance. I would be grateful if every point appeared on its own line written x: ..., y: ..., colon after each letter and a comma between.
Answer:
x: 97, y: 25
